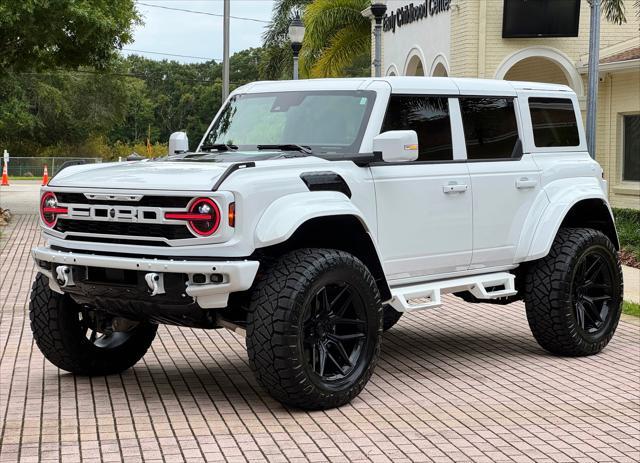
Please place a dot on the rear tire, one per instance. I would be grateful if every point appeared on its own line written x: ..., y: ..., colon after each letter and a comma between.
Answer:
x: 314, y: 328
x: 573, y: 296
x: 61, y: 331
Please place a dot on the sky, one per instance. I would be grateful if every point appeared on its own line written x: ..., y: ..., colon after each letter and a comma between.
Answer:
x: 196, y: 35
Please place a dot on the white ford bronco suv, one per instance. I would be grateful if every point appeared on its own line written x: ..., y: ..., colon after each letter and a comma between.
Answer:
x: 314, y: 213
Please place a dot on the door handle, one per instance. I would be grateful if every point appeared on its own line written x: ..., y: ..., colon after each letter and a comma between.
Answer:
x: 454, y: 188
x: 525, y: 182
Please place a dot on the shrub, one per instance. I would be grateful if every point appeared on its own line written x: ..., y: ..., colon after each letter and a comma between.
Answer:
x: 628, y: 225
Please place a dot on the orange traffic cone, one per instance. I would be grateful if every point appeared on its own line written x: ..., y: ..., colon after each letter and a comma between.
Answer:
x: 45, y: 176
x: 5, y: 176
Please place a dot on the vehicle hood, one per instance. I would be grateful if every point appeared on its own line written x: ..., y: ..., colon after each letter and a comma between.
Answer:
x: 142, y: 175
x: 178, y: 175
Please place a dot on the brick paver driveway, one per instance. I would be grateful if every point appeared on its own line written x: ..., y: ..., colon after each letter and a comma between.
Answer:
x: 462, y: 383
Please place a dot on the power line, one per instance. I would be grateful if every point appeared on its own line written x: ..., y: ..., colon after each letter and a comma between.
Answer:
x: 203, y: 12
x: 171, y: 54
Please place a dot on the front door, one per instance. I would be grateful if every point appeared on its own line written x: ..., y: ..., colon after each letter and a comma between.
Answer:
x: 425, y: 207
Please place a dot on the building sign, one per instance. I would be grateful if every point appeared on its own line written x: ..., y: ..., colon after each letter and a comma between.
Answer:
x: 411, y: 13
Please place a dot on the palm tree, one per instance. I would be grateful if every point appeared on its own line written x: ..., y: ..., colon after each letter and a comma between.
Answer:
x: 337, y: 39
x: 614, y: 10
x: 337, y: 35
x: 278, y: 58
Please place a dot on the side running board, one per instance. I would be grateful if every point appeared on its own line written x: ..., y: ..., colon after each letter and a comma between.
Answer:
x: 428, y: 295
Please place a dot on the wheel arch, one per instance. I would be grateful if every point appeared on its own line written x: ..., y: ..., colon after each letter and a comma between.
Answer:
x: 593, y: 213
x: 589, y: 212
x: 346, y: 232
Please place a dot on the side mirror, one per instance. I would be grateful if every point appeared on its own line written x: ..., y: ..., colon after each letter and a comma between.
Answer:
x: 397, y: 145
x: 178, y: 143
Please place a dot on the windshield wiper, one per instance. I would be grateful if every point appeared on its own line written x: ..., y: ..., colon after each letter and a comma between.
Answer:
x: 219, y: 147
x: 287, y: 147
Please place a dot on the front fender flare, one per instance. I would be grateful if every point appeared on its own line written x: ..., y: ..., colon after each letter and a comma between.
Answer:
x: 283, y: 217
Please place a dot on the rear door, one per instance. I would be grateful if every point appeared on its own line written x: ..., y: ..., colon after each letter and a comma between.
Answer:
x: 504, y: 181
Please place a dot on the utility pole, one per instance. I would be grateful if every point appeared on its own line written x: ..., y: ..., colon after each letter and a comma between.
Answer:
x: 594, y: 76
x: 225, y: 52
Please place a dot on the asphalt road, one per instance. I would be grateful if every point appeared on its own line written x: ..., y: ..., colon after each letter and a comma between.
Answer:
x: 21, y: 196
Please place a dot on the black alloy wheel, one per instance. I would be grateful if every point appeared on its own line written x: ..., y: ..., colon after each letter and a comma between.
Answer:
x: 593, y: 291
x: 334, y: 332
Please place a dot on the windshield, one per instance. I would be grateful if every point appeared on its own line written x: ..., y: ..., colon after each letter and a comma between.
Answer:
x: 325, y: 121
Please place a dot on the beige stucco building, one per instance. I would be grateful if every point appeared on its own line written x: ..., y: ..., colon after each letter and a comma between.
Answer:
x: 474, y: 38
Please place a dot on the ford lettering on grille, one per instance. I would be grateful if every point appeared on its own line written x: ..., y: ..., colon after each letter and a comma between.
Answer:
x: 109, y: 213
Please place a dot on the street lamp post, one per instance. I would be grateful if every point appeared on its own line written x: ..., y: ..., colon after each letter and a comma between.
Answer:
x: 296, y: 35
x: 378, y: 9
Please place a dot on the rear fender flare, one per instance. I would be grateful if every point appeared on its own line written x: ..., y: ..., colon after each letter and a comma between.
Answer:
x: 563, y: 197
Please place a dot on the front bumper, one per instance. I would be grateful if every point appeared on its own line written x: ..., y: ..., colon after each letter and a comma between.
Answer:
x: 231, y: 275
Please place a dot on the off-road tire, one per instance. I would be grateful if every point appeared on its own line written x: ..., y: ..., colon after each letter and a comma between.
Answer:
x: 549, y: 294
x: 390, y: 317
x: 60, y: 337
x: 276, y: 322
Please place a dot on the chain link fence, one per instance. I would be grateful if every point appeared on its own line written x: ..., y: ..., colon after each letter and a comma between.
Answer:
x: 34, y: 166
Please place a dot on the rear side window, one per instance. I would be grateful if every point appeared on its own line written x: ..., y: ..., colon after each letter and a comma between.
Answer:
x: 554, y: 122
x: 490, y: 128
x: 429, y: 117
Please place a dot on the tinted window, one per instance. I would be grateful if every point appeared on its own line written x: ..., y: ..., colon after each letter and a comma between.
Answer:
x: 429, y: 117
x: 631, y: 136
x: 554, y: 122
x: 490, y: 128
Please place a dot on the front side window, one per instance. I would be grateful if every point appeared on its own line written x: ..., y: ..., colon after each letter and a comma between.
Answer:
x: 429, y: 117
x: 554, y: 122
x: 325, y: 121
x: 631, y: 148
x: 490, y: 128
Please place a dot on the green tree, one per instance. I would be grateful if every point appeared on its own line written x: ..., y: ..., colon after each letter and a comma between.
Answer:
x: 49, y: 34
x: 277, y: 60
x: 337, y: 40
x: 337, y: 35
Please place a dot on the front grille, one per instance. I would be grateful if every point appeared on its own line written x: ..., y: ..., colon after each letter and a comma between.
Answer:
x: 118, y: 241
x: 149, y: 201
x: 171, y: 232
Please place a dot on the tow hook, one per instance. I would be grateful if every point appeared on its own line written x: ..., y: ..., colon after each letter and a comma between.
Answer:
x: 155, y: 282
x: 64, y: 276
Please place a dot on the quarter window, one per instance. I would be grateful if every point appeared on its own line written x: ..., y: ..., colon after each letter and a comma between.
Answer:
x: 490, y: 128
x: 429, y: 117
x: 631, y: 148
x: 554, y: 122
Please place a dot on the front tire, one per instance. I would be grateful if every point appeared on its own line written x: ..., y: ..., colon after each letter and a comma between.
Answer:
x: 314, y: 331
x: 573, y: 296
x: 63, y: 333
x: 390, y: 317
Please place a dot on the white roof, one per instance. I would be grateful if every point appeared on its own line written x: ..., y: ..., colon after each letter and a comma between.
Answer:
x: 406, y: 84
